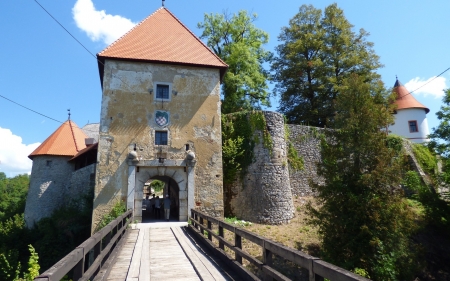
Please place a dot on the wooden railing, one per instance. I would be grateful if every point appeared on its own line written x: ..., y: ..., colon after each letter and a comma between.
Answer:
x: 318, y: 269
x: 88, y: 258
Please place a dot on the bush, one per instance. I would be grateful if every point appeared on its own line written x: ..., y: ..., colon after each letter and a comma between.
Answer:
x: 426, y: 158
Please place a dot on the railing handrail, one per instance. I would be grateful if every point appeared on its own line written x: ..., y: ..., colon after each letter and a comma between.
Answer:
x: 101, y: 242
x: 318, y: 269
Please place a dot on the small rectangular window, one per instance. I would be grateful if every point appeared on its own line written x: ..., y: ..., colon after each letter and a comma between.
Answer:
x: 413, y: 126
x: 49, y: 163
x: 161, y: 137
x: 162, y: 92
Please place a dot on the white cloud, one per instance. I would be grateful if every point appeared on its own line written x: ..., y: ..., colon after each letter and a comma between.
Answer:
x: 98, y: 25
x: 435, y: 88
x: 14, y: 154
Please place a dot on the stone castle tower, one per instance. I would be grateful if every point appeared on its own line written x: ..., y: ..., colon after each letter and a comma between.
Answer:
x: 410, y: 116
x: 160, y: 119
x: 50, y: 180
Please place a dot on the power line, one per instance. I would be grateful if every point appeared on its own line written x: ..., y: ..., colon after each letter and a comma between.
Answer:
x: 431, y: 80
x: 66, y: 30
x: 31, y: 109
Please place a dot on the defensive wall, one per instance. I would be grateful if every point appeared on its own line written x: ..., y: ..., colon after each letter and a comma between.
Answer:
x: 265, y: 193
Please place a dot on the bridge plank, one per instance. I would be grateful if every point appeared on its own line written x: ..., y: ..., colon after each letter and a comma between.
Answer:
x: 167, y: 259
x: 120, y: 268
x: 144, y: 272
x: 202, y: 265
x: 136, y: 258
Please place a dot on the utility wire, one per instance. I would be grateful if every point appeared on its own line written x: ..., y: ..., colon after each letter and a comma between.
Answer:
x: 31, y: 109
x: 430, y: 80
x: 66, y: 29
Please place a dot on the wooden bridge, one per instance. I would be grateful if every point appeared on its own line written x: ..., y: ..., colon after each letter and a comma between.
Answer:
x: 201, y: 250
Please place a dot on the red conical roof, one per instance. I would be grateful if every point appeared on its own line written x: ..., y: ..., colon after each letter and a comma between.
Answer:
x: 405, y: 99
x: 67, y: 140
x: 162, y: 38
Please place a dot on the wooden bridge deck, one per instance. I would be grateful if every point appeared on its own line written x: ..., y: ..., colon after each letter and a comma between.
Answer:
x: 163, y: 251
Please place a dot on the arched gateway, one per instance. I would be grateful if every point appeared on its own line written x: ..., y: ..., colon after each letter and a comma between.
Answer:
x: 179, y: 181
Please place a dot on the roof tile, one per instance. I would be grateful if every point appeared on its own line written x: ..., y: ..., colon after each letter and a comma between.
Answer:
x: 67, y: 140
x: 405, y: 99
x: 161, y: 37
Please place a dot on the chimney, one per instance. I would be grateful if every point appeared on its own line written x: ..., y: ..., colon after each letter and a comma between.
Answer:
x: 89, y: 141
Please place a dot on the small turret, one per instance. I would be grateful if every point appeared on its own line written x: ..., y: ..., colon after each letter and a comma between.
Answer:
x: 410, y: 116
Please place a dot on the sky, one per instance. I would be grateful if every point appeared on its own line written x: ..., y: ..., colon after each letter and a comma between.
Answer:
x: 44, y: 69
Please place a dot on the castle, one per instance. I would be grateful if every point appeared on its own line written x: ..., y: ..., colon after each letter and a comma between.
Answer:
x: 161, y: 119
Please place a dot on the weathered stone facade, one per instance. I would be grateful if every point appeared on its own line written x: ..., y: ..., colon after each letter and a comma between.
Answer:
x: 53, y: 184
x: 307, y: 143
x: 129, y: 124
x: 265, y: 194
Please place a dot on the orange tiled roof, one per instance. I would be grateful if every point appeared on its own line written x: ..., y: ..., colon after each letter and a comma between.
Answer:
x: 162, y: 38
x: 67, y: 140
x: 405, y: 99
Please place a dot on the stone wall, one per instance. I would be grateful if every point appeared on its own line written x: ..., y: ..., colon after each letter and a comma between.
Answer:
x: 265, y: 194
x: 53, y: 184
x: 306, y: 142
x: 49, y: 178
x: 81, y: 182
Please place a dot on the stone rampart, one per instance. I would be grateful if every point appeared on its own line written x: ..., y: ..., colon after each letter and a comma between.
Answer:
x: 53, y: 184
x: 307, y: 143
x: 48, y: 182
x: 265, y: 193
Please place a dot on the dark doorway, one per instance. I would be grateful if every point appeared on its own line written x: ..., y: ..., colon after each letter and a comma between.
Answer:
x: 171, y: 188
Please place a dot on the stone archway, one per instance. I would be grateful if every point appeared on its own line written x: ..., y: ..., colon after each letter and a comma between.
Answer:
x: 172, y: 189
x: 179, y: 179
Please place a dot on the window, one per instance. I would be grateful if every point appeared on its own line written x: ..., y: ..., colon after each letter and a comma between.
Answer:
x: 162, y: 92
x: 161, y: 137
x: 413, y: 126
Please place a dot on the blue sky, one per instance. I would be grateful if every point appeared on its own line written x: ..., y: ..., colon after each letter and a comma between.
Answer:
x: 45, y: 69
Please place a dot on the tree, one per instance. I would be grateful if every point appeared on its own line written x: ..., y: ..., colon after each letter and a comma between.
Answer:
x: 317, y: 52
x: 440, y: 138
x: 239, y: 43
x: 13, y: 194
x: 362, y: 217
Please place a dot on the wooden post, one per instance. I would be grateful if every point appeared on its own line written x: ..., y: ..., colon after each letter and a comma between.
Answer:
x: 221, y: 235
x: 78, y: 270
x: 238, y: 244
x: 209, y: 232
x: 268, y: 260
x: 312, y: 274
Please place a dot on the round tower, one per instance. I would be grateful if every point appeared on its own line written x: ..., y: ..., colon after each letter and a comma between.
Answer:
x: 410, y: 116
x: 51, y: 172
x: 265, y: 196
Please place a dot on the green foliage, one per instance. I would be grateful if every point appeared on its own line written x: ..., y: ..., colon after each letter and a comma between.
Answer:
x: 361, y: 272
x: 13, y: 194
x: 437, y: 211
x: 239, y: 139
x: 157, y: 185
x: 363, y: 220
x: 236, y: 221
x: 9, y: 272
x: 33, y: 265
x: 426, y: 158
x: 318, y: 51
x: 116, y: 211
x: 440, y: 138
x: 395, y: 143
x: 295, y: 161
x: 238, y: 42
x: 53, y: 237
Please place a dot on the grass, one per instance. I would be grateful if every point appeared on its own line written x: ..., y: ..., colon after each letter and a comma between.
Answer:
x: 297, y: 234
